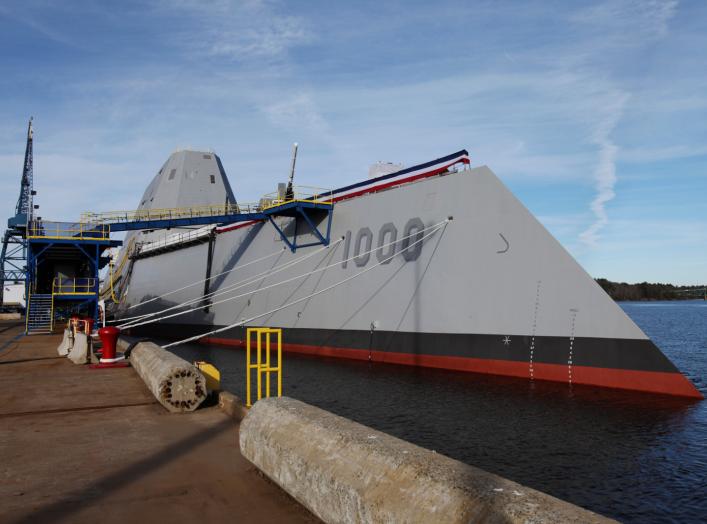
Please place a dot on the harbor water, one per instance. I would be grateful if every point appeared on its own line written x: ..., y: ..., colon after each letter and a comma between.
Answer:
x: 635, y: 457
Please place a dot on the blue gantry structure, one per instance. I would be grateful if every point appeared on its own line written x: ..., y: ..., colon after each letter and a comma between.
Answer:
x: 64, y: 259
x: 62, y: 272
x: 59, y: 262
x: 309, y: 210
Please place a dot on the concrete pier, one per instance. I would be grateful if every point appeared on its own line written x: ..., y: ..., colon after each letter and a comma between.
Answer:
x: 346, y: 472
x: 80, y: 445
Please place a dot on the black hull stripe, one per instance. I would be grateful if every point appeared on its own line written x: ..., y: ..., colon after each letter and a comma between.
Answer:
x: 625, y: 354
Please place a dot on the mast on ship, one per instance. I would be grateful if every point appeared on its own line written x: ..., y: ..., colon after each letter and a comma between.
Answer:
x: 290, y: 192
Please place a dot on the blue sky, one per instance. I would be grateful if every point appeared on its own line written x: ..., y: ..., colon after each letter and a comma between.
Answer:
x: 593, y: 113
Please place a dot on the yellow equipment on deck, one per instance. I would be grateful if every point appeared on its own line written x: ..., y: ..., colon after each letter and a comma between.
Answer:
x: 211, y: 374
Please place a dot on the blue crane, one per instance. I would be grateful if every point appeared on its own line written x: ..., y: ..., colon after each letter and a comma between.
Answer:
x: 13, y: 257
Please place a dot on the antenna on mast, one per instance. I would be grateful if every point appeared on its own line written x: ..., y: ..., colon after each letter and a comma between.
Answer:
x: 290, y: 192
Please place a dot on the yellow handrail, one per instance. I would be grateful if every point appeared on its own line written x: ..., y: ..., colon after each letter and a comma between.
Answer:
x: 309, y: 194
x: 299, y: 194
x: 263, y: 366
x: 68, y: 230
x: 167, y: 213
x: 110, y: 277
x: 116, y: 273
x: 73, y: 286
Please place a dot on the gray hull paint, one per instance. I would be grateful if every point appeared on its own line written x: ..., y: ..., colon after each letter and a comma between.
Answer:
x: 492, y: 271
x: 459, y: 284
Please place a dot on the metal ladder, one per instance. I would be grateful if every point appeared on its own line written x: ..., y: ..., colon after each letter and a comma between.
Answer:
x: 39, y: 314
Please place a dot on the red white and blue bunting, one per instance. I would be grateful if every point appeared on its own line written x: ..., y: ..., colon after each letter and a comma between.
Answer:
x: 404, y: 176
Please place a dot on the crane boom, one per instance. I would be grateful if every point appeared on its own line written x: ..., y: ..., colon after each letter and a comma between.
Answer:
x: 13, y: 254
x: 23, y: 209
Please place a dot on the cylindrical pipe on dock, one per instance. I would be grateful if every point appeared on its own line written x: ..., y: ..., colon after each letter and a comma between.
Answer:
x: 346, y: 472
x: 175, y: 383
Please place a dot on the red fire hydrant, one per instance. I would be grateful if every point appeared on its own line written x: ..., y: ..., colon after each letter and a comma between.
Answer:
x: 109, y: 337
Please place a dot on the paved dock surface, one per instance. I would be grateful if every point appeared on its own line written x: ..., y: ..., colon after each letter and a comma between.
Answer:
x: 80, y: 445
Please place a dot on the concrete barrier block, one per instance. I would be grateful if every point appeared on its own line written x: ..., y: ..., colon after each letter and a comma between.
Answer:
x: 67, y: 343
x: 78, y: 353
x: 346, y: 472
x: 232, y: 405
x: 122, y: 344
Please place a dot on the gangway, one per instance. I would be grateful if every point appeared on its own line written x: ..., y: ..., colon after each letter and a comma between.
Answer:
x: 309, y: 206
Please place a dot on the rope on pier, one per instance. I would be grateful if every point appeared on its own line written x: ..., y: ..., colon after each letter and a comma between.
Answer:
x: 441, y: 225
x: 201, y: 282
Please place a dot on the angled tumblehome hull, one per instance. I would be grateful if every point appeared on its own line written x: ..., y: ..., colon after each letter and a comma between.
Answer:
x: 489, y: 290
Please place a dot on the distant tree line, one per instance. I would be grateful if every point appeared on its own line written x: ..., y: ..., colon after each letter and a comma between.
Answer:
x: 649, y: 291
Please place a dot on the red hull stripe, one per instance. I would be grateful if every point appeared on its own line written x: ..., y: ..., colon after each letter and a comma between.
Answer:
x: 648, y: 381
x: 237, y: 226
x: 397, y: 182
x: 371, y: 188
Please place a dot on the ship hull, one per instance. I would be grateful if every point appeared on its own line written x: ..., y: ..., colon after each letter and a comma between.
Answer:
x: 489, y: 290
x: 641, y: 367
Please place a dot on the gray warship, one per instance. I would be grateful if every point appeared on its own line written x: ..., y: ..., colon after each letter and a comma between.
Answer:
x: 435, y: 265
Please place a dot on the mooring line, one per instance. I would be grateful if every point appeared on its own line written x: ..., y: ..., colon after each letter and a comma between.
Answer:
x: 208, y: 279
x: 129, y: 321
x: 243, y: 322
x: 150, y: 320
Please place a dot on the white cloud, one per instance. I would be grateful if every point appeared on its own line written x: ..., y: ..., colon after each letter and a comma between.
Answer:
x: 641, y: 155
x: 628, y: 19
x: 273, y: 38
x: 605, y: 171
x: 297, y: 112
x: 632, y: 23
x: 550, y: 98
x: 240, y: 30
x: 69, y: 185
x: 30, y: 16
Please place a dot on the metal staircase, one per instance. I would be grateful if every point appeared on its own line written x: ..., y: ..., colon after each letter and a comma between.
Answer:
x: 39, y: 314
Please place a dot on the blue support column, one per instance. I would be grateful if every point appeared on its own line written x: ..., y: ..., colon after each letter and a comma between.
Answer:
x: 293, y: 247
x: 297, y: 210
x: 314, y: 229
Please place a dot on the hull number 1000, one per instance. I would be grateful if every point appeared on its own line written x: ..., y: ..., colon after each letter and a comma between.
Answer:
x: 359, y: 246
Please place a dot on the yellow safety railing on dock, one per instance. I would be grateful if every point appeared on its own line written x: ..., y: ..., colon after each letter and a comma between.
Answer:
x: 67, y: 230
x: 73, y: 286
x: 262, y: 364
